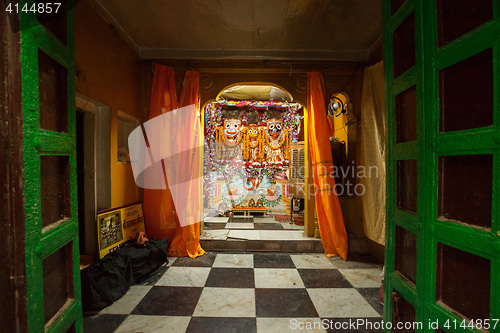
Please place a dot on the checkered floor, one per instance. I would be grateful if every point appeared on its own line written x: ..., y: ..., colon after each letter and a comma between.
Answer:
x: 251, y: 228
x: 260, y: 292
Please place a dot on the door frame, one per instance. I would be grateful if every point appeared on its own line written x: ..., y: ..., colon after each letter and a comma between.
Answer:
x: 101, y: 169
x: 102, y: 148
x: 38, y: 143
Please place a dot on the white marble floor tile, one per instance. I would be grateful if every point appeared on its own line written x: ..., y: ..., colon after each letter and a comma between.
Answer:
x: 244, y: 234
x: 339, y: 263
x: 311, y: 261
x: 226, y: 302
x: 363, y: 278
x: 184, y: 277
x: 340, y: 303
x: 277, y: 278
x: 303, y: 325
x: 128, y: 302
x: 216, y: 219
x: 275, y: 235
x: 236, y: 225
x: 243, y: 216
x: 154, y: 324
x: 233, y: 260
x: 265, y: 220
x: 300, y: 235
x: 171, y: 260
x: 214, y: 234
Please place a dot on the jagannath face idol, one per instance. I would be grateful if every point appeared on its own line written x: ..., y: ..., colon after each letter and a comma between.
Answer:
x: 232, y: 127
x: 274, y: 127
x: 253, y: 132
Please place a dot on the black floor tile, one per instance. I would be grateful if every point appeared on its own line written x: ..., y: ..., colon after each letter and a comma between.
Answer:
x: 103, y: 323
x: 231, y: 278
x: 323, y: 278
x: 293, y: 303
x: 205, y: 260
x: 356, y: 261
x: 213, y: 226
x: 352, y: 325
x: 271, y: 260
x: 241, y: 219
x: 363, y: 258
x: 372, y: 297
x: 267, y: 226
x: 169, y: 301
x: 153, y: 278
x: 260, y: 215
x: 217, y: 325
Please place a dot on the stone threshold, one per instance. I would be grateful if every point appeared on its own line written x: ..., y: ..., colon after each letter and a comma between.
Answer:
x: 291, y: 246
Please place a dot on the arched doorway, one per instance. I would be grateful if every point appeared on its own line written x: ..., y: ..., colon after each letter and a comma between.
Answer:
x: 250, y: 130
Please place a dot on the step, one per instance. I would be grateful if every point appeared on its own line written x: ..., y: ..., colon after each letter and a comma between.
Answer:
x: 257, y: 233
x: 312, y: 245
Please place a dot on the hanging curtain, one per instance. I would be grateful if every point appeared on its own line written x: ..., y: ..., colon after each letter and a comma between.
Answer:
x: 159, y: 210
x: 186, y: 240
x: 372, y: 152
x: 172, y: 212
x: 330, y: 220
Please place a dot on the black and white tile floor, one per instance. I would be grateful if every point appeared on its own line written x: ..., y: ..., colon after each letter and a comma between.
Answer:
x: 251, y: 228
x: 248, y: 292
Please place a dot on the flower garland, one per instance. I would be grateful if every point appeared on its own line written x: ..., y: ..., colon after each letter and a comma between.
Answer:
x: 292, y: 121
x: 220, y: 137
x: 284, y: 141
x: 256, y: 104
x: 214, y: 137
x: 247, y: 144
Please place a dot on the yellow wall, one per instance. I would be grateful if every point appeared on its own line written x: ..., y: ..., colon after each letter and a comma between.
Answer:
x: 109, y: 71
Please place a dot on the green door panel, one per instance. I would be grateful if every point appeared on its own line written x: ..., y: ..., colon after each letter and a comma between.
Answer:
x: 52, y: 251
x: 441, y: 63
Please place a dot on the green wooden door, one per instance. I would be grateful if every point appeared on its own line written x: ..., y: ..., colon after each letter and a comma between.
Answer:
x: 442, y: 62
x: 52, y: 251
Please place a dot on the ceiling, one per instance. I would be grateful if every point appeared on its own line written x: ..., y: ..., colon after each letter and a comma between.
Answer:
x: 313, y: 30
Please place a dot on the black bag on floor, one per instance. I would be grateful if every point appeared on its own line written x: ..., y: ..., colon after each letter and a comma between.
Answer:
x: 111, y: 277
x: 146, y: 262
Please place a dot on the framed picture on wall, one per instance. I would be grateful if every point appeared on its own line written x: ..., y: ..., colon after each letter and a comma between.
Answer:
x: 110, y: 229
x: 118, y: 225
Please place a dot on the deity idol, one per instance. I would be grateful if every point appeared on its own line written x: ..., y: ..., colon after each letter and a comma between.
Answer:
x: 229, y: 140
x: 253, y: 144
x: 277, y: 141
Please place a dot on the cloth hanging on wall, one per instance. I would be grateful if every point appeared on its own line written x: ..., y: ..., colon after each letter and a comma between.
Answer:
x: 162, y: 217
x: 159, y: 210
x: 372, y: 152
x: 186, y: 240
x: 330, y: 219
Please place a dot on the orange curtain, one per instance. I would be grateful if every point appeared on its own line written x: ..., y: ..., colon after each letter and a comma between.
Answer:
x: 330, y: 220
x: 159, y: 209
x: 186, y: 240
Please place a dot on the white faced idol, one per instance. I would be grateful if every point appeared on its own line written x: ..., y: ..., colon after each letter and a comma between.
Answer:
x: 232, y: 128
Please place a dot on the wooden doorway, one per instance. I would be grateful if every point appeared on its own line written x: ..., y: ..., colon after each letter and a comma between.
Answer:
x: 441, y: 70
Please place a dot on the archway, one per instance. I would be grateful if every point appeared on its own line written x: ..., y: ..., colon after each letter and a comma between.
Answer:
x: 250, y: 129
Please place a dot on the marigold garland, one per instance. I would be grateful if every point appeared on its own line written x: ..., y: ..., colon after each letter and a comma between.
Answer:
x: 220, y: 137
x: 247, y: 144
x: 285, y: 141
